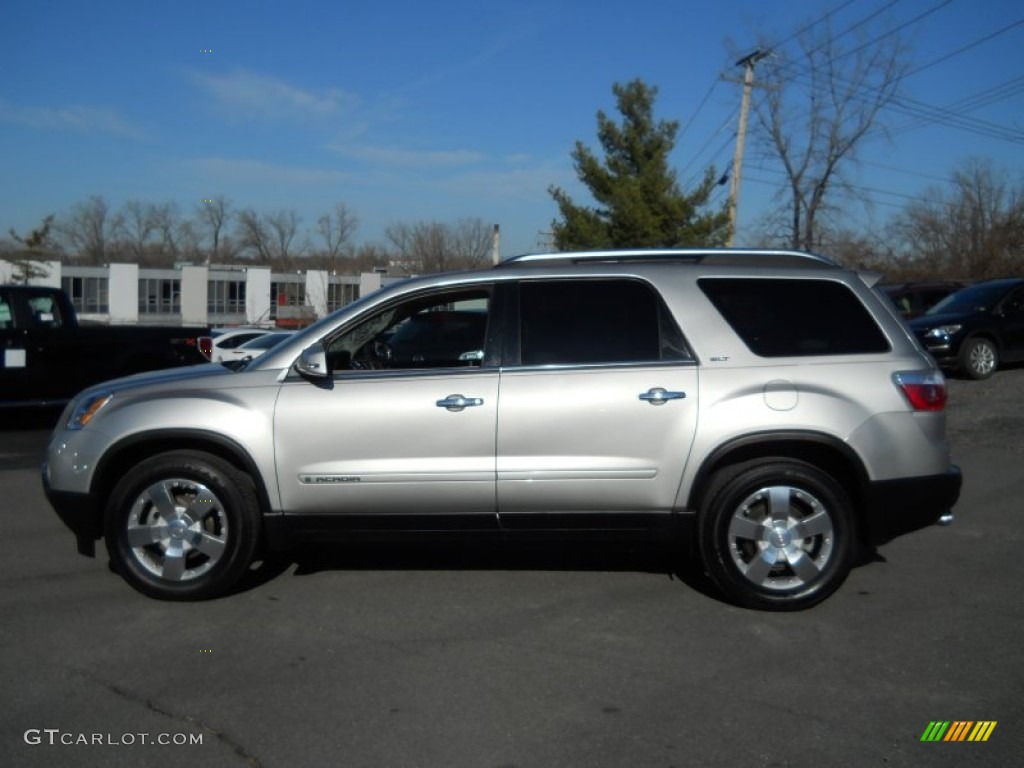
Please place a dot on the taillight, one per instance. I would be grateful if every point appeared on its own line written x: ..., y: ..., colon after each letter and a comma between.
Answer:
x: 206, y: 346
x: 926, y: 390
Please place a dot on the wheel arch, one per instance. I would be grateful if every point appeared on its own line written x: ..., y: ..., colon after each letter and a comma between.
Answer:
x: 827, y: 453
x: 988, y: 334
x: 132, y: 450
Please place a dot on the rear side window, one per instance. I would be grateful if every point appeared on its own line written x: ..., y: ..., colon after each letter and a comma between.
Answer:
x: 795, y: 318
x: 592, y: 322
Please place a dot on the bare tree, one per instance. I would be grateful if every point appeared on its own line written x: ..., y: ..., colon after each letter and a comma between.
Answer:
x: 813, y: 110
x: 213, y: 216
x: 89, y: 230
x: 435, y: 247
x: 135, y: 227
x: 336, y: 228
x: 177, y: 236
x: 269, y: 237
x: 370, y: 256
x: 253, y: 235
x: 472, y: 241
x: 33, y: 249
x: 973, y: 229
x: 282, y: 227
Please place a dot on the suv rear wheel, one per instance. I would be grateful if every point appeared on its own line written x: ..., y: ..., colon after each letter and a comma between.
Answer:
x: 776, y: 534
x: 182, y: 526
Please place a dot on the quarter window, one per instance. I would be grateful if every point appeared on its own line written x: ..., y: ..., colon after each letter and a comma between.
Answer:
x: 795, y: 318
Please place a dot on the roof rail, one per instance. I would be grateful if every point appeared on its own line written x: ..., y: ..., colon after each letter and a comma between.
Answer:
x: 751, y: 257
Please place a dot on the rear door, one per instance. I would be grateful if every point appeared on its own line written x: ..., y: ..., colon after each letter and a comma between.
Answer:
x: 598, y: 407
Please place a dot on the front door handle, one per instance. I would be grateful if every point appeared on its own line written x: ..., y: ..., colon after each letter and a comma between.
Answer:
x: 660, y: 396
x: 456, y: 403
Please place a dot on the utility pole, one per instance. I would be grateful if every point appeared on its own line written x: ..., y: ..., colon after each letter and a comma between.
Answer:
x: 747, y: 62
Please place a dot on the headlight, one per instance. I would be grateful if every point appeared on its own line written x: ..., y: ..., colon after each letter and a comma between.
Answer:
x: 942, y: 331
x: 87, y: 408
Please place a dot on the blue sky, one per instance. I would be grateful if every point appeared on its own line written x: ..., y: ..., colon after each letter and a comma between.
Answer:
x: 438, y: 111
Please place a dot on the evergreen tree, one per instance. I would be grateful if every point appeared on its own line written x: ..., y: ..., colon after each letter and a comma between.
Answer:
x: 640, y: 204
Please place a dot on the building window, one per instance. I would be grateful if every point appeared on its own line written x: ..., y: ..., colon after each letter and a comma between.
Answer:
x: 159, y: 296
x: 225, y: 297
x: 89, y: 295
x: 340, y: 294
x: 286, y: 294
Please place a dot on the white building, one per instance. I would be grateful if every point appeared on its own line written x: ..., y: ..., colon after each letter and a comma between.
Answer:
x: 219, y: 295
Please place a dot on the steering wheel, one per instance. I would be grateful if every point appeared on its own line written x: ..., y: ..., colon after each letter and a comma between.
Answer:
x: 372, y: 356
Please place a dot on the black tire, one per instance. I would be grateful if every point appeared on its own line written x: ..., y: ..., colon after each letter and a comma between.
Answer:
x: 183, y: 525
x: 790, y: 565
x: 979, y: 358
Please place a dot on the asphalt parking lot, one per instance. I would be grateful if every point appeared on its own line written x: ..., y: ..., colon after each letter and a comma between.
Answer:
x: 494, y: 657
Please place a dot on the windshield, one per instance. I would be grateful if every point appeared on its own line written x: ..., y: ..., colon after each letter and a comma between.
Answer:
x: 977, y: 298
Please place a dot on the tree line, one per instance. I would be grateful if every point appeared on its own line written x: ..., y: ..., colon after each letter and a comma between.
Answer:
x: 160, y: 235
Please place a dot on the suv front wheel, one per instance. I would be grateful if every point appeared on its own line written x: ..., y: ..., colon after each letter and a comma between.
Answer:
x: 182, y: 525
x: 776, y: 534
x: 979, y: 358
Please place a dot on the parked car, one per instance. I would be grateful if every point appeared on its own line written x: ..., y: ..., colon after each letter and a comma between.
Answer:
x: 976, y: 329
x: 914, y: 299
x: 659, y: 393
x: 46, y: 356
x: 254, y: 347
x: 220, y: 340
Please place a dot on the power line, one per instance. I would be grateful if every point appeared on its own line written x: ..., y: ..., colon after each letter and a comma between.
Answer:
x: 924, y: 112
x: 894, y: 30
x: 714, y: 135
x: 963, y: 49
x: 913, y: 108
x: 688, y: 123
x: 814, y: 23
x: 877, y: 12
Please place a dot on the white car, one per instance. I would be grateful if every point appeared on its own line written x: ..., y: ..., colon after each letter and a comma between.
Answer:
x: 223, y: 340
x: 254, y: 347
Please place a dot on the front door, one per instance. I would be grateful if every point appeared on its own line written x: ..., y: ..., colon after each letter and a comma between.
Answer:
x: 405, y: 426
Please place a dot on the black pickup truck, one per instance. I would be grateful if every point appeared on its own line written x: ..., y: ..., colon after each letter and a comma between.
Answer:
x: 46, y: 356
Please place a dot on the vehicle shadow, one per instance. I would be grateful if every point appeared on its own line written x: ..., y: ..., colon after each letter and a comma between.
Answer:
x: 667, y: 558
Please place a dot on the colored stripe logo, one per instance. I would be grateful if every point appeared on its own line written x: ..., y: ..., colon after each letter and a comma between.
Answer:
x: 959, y: 730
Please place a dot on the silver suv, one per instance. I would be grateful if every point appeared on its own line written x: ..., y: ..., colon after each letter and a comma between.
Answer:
x: 768, y: 406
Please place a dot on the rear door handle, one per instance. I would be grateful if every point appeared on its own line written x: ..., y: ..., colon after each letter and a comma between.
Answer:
x: 457, y: 403
x: 660, y: 395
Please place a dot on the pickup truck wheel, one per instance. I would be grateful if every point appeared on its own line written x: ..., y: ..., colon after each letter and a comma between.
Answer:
x: 182, y: 526
x: 776, y: 534
x: 979, y: 358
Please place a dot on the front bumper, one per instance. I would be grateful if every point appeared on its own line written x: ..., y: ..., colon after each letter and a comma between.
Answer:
x: 79, y: 512
x: 896, y: 507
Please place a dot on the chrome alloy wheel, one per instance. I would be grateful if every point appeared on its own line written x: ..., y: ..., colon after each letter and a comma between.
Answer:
x: 982, y: 359
x: 177, y: 529
x: 781, y: 537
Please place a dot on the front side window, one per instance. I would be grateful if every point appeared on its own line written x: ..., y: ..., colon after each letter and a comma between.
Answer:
x: 443, y: 330
x: 595, y: 322
x: 778, y: 317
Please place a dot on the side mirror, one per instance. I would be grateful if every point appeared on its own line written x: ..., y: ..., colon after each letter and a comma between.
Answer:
x: 312, y: 363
